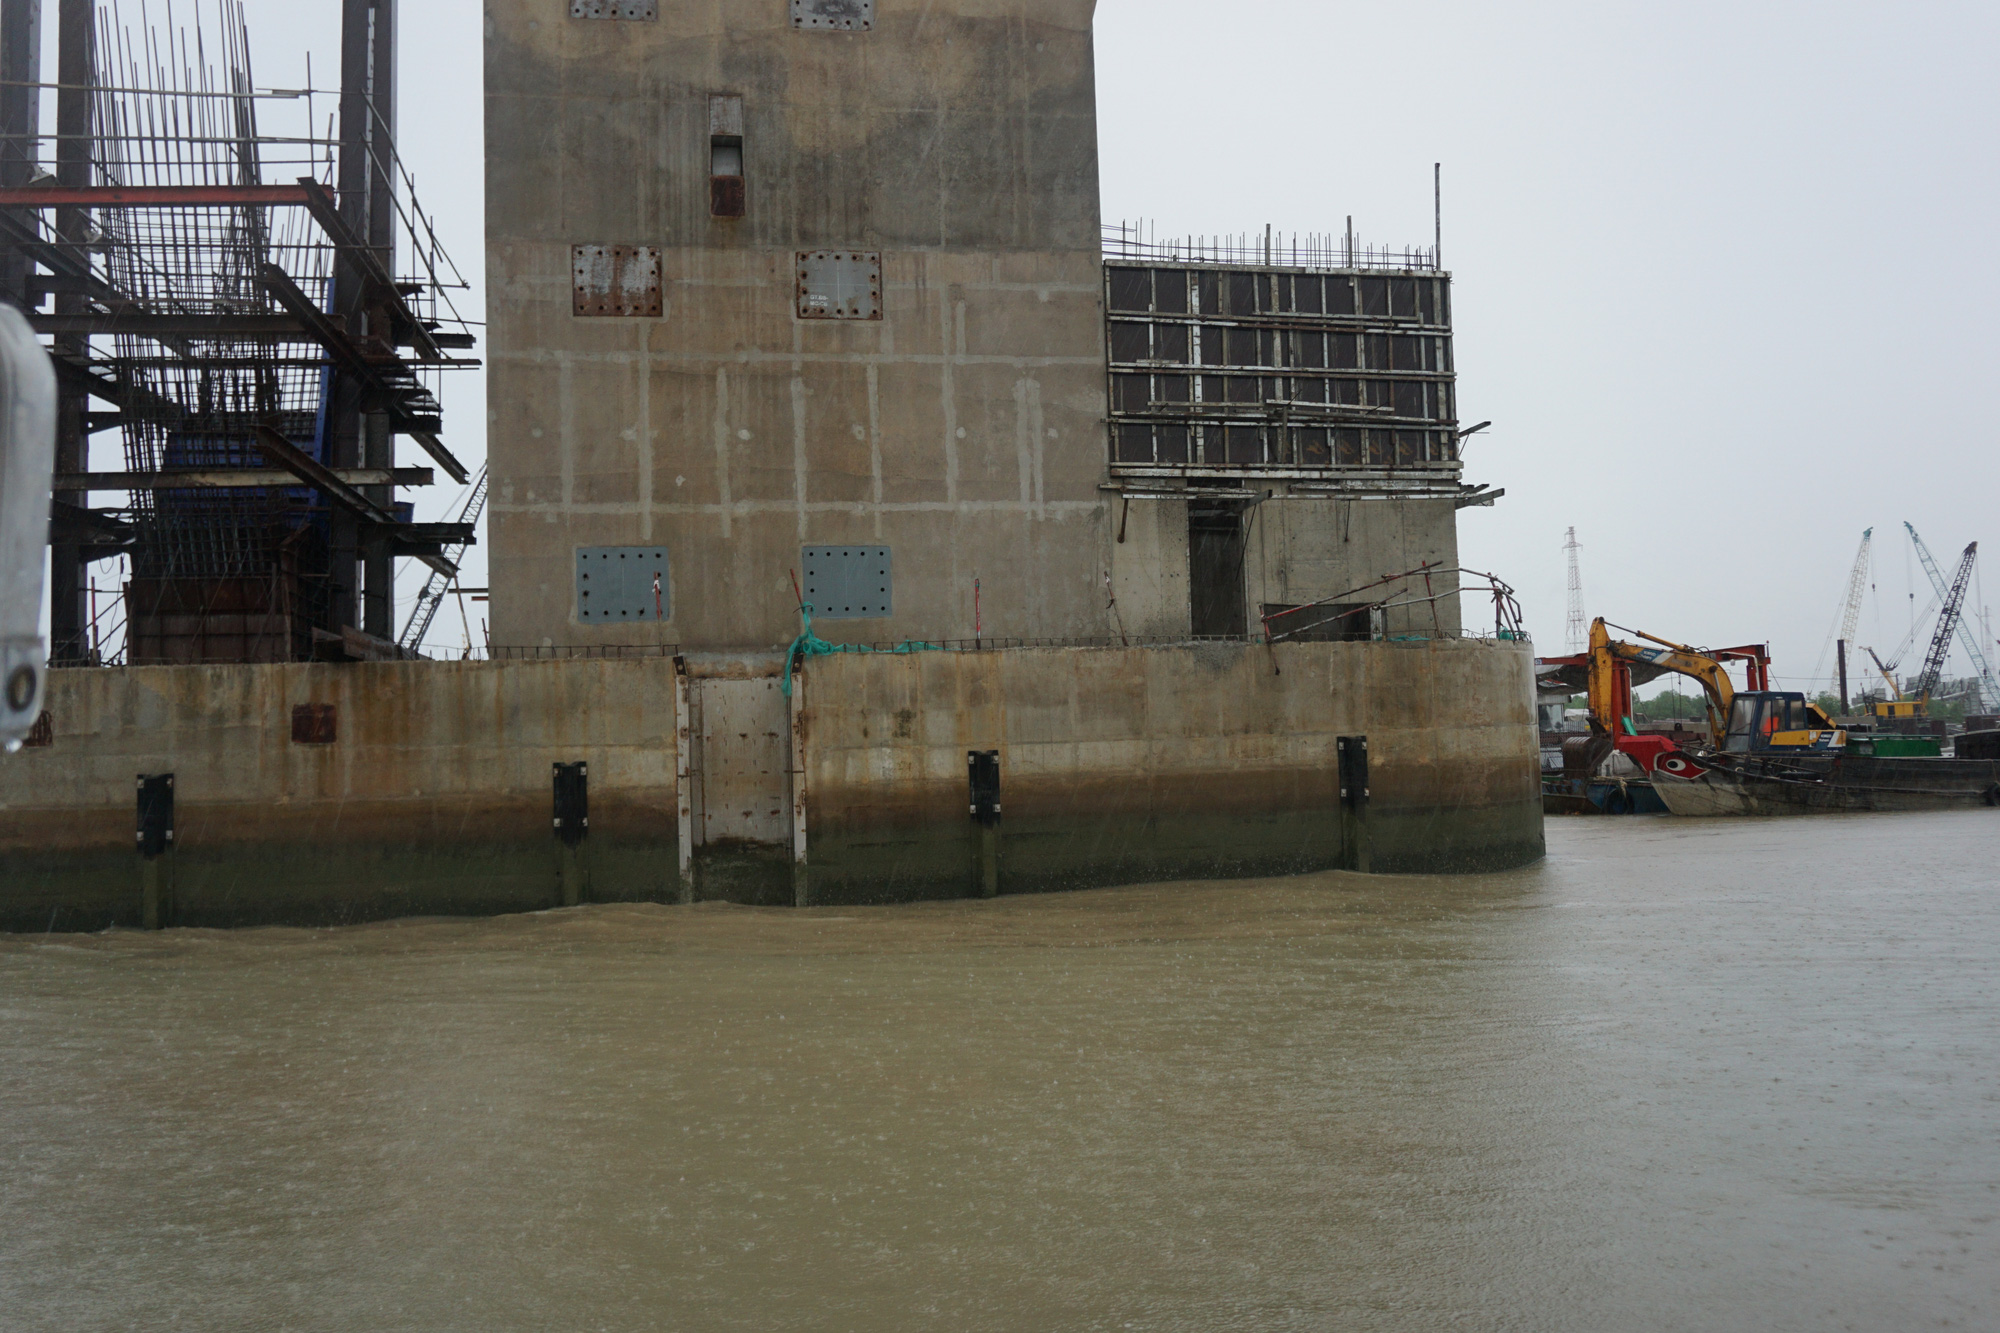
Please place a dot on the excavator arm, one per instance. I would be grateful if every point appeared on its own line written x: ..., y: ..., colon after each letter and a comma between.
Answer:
x: 1774, y: 720
x: 1895, y: 690
x: 1611, y: 690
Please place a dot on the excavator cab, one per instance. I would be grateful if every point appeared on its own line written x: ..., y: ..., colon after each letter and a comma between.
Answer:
x: 1764, y: 720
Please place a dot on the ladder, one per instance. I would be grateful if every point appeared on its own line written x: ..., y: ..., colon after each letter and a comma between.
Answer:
x: 439, y: 584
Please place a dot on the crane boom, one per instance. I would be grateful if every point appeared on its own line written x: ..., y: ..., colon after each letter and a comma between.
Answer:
x: 1857, y: 583
x: 1989, y: 688
x: 1895, y: 690
x: 1849, y: 617
x: 1954, y: 602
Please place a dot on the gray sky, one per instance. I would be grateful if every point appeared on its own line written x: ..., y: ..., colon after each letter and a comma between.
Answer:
x: 1722, y: 282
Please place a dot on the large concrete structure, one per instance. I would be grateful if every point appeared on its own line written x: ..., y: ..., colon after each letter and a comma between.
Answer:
x: 956, y: 418
x: 318, y: 792
x: 818, y: 287
x: 815, y: 290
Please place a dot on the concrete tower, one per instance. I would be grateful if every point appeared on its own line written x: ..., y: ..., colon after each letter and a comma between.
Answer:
x: 793, y: 286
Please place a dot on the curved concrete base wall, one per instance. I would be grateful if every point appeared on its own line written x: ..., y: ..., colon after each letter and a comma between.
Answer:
x: 1207, y: 760
x: 434, y: 796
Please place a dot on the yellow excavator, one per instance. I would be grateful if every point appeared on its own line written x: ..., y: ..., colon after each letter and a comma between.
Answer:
x: 1757, y: 719
x: 1897, y: 704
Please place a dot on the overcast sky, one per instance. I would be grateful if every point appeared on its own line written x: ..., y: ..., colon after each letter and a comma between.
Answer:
x: 1724, y: 273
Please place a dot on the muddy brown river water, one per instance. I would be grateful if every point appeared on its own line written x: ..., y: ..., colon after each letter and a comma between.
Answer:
x: 1683, y: 1075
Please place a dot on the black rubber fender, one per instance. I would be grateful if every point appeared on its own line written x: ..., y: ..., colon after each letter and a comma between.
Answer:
x: 1993, y: 794
x: 1616, y: 804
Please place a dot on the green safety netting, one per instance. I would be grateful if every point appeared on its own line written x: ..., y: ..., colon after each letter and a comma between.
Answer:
x: 809, y: 644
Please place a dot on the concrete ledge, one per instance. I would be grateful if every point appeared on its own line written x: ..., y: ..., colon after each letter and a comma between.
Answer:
x: 434, y: 796
x: 1125, y: 765
x: 1119, y: 765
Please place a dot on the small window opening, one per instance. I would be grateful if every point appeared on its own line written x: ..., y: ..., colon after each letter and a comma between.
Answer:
x: 725, y: 176
x: 725, y: 156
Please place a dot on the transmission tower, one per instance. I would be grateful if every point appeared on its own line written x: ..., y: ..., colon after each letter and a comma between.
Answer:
x: 1576, y: 632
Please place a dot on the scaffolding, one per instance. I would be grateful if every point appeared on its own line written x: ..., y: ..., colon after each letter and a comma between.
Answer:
x: 264, y: 310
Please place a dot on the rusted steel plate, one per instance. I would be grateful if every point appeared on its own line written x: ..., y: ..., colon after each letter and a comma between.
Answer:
x: 314, y: 724
x: 614, y: 9
x: 616, y: 280
x: 152, y: 196
x: 725, y: 196
x: 844, y: 15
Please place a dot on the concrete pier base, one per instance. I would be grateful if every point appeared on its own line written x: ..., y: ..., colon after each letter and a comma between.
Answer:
x: 989, y: 861
x: 573, y: 873
x: 1122, y: 765
x: 156, y: 891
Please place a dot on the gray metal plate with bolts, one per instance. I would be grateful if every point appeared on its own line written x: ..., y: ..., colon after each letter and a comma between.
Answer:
x: 614, y: 9
x: 618, y: 582
x: 840, y: 284
x: 848, y: 582
x: 839, y: 14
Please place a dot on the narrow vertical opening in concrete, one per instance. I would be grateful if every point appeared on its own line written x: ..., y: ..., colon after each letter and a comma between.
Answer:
x: 1216, y: 601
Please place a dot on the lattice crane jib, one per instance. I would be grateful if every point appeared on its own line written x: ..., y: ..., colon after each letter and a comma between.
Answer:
x: 1857, y: 584
x: 1968, y: 636
x: 1954, y: 603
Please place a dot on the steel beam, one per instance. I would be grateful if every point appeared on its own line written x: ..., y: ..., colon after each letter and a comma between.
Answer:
x: 141, y: 325
x: 369, y: 270
x: 306, y: 468
x: 284, y: 453
x: 442, y: 456
x: 76, y: 73
x: 20, y: 121
x: 160, y: 328
x: 234, y: 478
x: 76, y: 374
x: 96, y: 534
x: 152, y: 196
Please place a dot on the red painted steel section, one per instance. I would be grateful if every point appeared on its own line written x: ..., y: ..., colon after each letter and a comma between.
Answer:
x: 151, y: 196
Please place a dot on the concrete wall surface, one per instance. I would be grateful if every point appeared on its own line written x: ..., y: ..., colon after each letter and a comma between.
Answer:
x: 963, y: 428
x: 1121, y: 765
x: 435, y: 793
x: 1299, y: 549
x: 434, y: 797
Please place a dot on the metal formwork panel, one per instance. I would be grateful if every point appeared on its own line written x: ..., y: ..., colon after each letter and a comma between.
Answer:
x: 614, y: 9
x: 840, y: 284
x: 616, y: 280
x: 745, y: 762
x: 849, y: 582
x: 1246, y: 369
x: 843, y: 15
x: 623, y: 583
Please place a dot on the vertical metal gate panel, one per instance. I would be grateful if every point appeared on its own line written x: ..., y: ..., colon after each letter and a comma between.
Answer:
x: 744, y: 775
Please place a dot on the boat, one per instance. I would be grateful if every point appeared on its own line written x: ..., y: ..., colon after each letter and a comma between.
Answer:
x: 1600, y: 796
x: 1722, y: 782
x: 1775, y: 752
